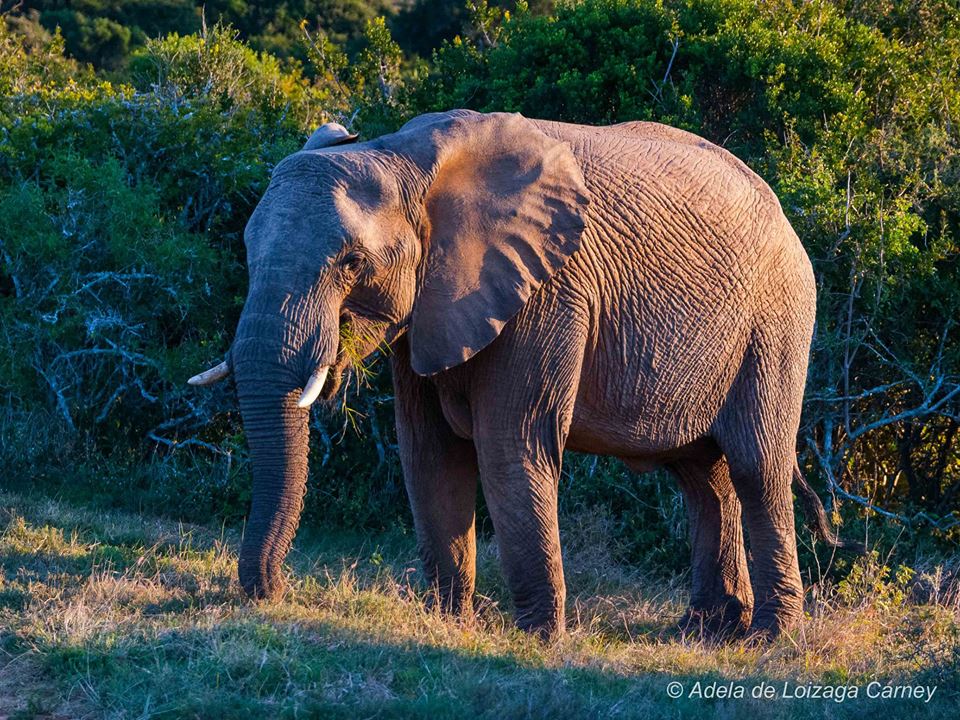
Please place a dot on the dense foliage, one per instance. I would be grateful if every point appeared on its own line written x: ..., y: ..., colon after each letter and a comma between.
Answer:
x: 123, y: 197
x: 106, y: 32
x: 122, y: 208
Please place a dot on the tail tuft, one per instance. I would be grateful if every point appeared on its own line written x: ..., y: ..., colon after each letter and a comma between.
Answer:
x: 816, y: 516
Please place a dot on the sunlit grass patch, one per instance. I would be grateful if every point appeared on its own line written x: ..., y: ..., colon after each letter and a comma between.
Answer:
x: 118, y: 615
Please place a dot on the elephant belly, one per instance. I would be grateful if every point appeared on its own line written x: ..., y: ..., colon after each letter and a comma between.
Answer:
x: 666, y: 345
x: 655, y: 395
x: 648, y: 435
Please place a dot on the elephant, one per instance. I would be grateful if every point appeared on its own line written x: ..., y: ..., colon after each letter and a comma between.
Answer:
x: 631, y: 291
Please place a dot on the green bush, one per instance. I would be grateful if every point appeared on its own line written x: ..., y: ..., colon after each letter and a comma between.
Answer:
x: 106, y: 32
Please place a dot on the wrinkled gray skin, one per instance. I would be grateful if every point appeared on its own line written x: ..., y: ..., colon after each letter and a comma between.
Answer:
x: 632, y: 291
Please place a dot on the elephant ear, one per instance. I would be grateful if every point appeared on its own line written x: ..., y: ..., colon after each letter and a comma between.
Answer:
x: 503, y: 212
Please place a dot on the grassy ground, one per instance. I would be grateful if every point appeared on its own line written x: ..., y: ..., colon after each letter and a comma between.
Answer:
x: 118, y: 615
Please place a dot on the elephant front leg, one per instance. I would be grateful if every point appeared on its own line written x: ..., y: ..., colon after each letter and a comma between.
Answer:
x: 443, y: 496
x: 522, y: 497
x: 722, y: 601
x: 440, y: 473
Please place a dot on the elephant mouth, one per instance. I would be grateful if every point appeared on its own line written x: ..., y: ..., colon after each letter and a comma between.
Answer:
x: 334, y: 381
x: 359, y: 338
x: 346, y: 358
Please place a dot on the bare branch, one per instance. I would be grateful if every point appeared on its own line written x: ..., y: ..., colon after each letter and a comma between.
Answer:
x: 58, y: 392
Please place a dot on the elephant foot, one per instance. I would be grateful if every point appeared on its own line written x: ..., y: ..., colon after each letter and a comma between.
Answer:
x: 450, y: 603
x: 546, y: 626
x: 772, y: 620
x: 727, y: 618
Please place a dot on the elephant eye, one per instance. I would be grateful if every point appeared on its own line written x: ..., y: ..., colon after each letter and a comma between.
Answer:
x: 353, y: 264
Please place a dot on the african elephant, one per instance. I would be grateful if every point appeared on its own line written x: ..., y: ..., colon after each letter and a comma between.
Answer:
x: 631, y: 290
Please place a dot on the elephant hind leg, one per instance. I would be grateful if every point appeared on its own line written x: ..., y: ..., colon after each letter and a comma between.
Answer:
x: 722, y: 601
x: 756, y: 430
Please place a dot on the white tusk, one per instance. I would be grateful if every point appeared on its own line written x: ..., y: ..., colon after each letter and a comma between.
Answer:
x: 313, y: 387
x: 208, y: 377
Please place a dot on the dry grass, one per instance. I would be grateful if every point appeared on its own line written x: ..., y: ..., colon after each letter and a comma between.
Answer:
x: 118, y: 615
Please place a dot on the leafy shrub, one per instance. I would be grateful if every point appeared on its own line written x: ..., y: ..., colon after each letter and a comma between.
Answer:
x: 871, y: 580
x: 106, y: 32
x: 646, y: 516
x: 369, y: 93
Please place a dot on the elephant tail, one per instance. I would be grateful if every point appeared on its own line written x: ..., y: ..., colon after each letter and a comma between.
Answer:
x: 816, y: 516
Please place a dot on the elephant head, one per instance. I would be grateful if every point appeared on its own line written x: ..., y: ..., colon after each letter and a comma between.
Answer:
x: 441, y: 230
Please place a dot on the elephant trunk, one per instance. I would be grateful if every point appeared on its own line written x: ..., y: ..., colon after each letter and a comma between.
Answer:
x: 273, y: 357
x: 277, y: 432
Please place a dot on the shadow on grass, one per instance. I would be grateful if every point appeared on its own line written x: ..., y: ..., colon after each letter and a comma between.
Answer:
x: 252, y: 668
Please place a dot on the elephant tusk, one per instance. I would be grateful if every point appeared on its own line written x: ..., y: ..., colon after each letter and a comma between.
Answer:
x: 313, y: 387
x: 208, y: 377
